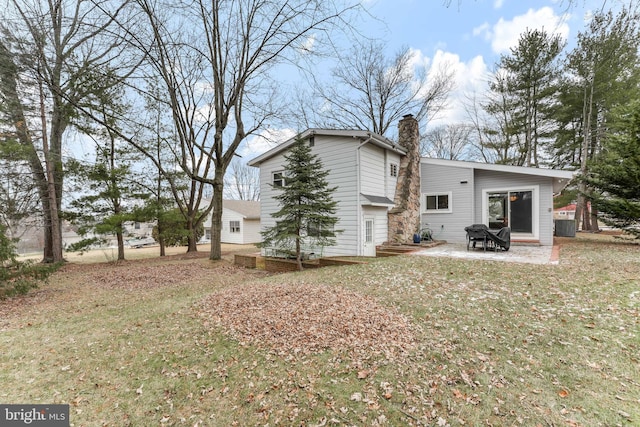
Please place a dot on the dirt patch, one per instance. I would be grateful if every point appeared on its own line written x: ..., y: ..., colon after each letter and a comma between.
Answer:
x: 304, y: 319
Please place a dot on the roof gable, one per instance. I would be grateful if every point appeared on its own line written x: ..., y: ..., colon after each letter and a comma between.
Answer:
x: 359, y: 136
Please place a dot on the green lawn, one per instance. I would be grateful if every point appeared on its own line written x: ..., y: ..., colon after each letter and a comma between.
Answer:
x: 143, y: 342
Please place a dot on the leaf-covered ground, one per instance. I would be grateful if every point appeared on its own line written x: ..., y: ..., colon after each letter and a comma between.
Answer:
x: 409, y: 340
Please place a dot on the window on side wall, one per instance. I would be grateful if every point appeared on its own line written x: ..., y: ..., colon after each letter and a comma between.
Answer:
x: 437, y: 202
x: 279, y: 179
x: 234, y: 226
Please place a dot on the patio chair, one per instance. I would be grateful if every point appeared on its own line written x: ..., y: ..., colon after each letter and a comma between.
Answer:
x: 477, y: 233
x: 501, y: 239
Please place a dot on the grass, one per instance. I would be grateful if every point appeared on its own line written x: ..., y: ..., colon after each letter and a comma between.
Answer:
x: 499, y: 344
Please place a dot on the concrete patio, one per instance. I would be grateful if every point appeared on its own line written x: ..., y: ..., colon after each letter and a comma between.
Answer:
x: 517, y: 253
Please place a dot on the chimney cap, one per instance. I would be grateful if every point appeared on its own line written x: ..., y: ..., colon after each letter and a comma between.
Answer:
x: 407, y: 116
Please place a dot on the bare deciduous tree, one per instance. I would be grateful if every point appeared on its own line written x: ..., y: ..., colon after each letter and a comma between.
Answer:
x: 65, y: 51
x: 371, y: 91
x: 243, y: 182
x: 451, y: 142
x: 214, y: 59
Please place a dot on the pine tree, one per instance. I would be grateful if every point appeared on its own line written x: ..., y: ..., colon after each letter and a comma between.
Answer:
x: 307, y: 206
x: 615, y: 175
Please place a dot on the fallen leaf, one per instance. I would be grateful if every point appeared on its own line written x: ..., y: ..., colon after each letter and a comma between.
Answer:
x: 563, y: 393
x: 356, y: 397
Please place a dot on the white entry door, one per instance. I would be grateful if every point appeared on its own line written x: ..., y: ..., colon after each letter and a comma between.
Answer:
x: 368, y: 244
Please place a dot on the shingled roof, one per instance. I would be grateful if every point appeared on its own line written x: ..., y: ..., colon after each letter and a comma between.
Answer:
x: 250, y: 209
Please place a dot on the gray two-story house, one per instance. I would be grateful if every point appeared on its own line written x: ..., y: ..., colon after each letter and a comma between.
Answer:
x: 386, y: 192
x: 364, y: 166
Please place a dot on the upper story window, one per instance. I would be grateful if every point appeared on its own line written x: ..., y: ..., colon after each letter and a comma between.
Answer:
x: 437, y: 202
x: 312, y: 141
x: 393, y: 169
x: 279, y: 179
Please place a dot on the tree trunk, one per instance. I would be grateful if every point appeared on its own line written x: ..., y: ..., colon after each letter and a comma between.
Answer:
x: 163, y: 250
x: 299, y: 252
x: 120, y: 239
x: 216, y: 217
x: 8, y: 81
x: 191, y: 238
x: 581, y: 205
x: 54, y: 203
x: 594, y: 220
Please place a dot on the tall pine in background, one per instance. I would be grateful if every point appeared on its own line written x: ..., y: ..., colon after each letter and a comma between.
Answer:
x: 614, y: 176
x: 307, y: 209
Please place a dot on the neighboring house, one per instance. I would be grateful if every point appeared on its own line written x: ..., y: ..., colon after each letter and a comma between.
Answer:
x: 565, y: 212
x: 364, y: 166
x: 456, y: 194
x: 240, y: 222
x: 386, y: 192
x: 138, y: 229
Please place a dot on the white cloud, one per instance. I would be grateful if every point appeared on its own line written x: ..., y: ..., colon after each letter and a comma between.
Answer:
x: 470, y: 77
x: 483, y: 30
x: 505, y: 33
x: 497, y: 4
x: 266, y: 140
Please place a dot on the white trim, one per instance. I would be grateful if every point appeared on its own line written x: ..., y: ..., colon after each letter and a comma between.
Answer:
x: 368, y: 247
x: 423, y: 202
x: 551, y: 173
x: 535, y: 207
x: 283, y: 178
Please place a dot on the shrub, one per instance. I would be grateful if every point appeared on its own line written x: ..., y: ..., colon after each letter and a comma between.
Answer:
x: 19, y: 277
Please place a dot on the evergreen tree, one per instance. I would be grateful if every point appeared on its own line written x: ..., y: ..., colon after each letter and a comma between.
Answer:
x: 173, y: 229
x: 522, y: 97
x: 307, y: 206
x: 111, y: 194
x: 19, y: 277
x: 615, y: 176
x: 604, y: 68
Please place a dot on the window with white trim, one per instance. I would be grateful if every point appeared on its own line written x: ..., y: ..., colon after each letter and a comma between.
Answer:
x: 234, y: 226
x: 279, y: 179
x: 437, y: 202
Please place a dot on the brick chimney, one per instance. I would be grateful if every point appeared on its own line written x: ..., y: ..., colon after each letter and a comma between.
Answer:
x: 404, y: 217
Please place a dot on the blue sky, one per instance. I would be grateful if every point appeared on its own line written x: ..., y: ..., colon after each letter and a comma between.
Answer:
x: 473, y: 27
x: 469, y: 35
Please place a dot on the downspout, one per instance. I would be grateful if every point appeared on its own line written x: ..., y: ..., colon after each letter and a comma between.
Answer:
x: 358, y: 204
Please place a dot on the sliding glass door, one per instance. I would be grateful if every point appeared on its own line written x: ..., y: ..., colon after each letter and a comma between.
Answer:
x: 510, y: 208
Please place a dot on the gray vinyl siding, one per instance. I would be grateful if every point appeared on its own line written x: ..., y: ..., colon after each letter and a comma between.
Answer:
x: 390, y: 181
x: 338, y: 155
x: 444, y: 179
x: 372, y: 170
x: 499, y: 180
x: 375, y: 173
